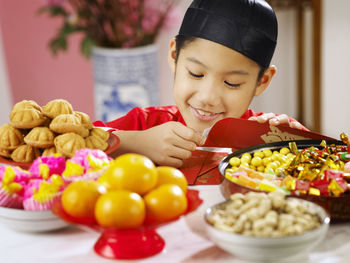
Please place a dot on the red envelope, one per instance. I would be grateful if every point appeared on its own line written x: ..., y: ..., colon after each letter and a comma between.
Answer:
x: 236, y: 134
x: 198, y: 169
x: 239, y: 133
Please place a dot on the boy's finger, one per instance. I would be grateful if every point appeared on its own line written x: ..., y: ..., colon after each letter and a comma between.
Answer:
x: 265, y: 117
x: 171, y: 161
x: 189, y: 135
x: 283, y: 118
x: 295, y: 125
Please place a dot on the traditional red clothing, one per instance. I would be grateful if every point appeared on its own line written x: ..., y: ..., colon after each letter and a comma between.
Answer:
x: 144, y: 118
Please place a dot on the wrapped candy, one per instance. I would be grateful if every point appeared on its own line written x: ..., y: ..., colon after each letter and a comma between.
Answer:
x: 333, y: 174
x: 302, y: 185
x: 347, y: 167
x: 315, y: 170
x: 247, y: 181
x: 345, y: 139
x: 314, y: 191
x: 345, y: 156
x: 289, y: 182
x: 267, y: 186
x: 321, y: 185
x: 337, y: 186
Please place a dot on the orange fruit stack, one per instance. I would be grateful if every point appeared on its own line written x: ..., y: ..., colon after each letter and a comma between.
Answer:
x: 131, y: 191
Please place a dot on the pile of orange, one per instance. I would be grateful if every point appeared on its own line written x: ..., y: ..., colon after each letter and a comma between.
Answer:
x: 131, y: 191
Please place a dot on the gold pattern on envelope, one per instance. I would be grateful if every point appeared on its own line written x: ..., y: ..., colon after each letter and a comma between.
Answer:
x: 276, y: 135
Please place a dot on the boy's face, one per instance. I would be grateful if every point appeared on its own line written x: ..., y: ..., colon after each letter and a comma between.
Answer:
x: 212, y: 82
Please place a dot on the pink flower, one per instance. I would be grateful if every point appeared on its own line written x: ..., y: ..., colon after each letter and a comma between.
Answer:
x: 128, y: 30
x: 134, y: 3
x: 149, y: 24
x: 128, y: 44
x: 173, y: 19
x: 134, y: 17
x: 124, y: 24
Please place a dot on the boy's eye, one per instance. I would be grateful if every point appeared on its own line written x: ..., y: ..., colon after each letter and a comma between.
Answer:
x: 235, y: 85
x: 195, y: 75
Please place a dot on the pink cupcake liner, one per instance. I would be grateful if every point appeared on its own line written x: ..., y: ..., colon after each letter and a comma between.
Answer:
x: 33, y: 205
x: 10, y: 200
x: 29, y: 201
x: 87, y: 176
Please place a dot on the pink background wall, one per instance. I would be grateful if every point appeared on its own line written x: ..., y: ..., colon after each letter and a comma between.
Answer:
x: 33, y: 72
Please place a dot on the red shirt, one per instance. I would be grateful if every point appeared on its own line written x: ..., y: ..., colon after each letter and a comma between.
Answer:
x: 144, y: 118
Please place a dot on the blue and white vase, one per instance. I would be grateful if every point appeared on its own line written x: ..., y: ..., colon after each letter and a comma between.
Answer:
x: 124, y: 79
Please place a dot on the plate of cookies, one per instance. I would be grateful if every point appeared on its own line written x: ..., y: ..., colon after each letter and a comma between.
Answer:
x: 35, y: 130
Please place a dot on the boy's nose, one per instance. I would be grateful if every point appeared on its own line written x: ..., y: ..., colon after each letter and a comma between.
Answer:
x: 209, y: 94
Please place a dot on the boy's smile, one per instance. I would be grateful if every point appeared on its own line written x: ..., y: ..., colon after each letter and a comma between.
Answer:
x: 212, y: 82
x: 204, y: 115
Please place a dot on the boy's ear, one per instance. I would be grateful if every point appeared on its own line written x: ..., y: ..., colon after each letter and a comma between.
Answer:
x: 171, y: 55
x: 265, y: 80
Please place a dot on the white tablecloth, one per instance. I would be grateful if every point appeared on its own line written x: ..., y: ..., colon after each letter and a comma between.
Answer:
x: 186, y: 241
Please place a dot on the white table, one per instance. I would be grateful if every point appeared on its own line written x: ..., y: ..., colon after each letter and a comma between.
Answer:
x: 186, y: 241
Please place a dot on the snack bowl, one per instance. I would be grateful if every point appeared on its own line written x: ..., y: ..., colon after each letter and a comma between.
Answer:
x: 268, y: 249
x: 30, y: 221
x: 336, y: 206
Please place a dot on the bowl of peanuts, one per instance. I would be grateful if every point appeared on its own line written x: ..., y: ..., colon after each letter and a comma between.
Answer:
x: 266, y: 227
x: 313, y: 170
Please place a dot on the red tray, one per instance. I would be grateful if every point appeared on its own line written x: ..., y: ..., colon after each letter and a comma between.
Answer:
x: 135, y: 243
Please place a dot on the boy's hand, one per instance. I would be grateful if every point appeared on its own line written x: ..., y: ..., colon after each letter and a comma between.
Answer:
x: 275, y: 120
x: 166, y: 144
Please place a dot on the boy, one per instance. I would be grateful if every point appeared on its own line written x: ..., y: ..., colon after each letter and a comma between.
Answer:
x: 220, y: 60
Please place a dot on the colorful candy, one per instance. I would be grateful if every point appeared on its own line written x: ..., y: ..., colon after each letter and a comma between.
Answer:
x: 313, y: 170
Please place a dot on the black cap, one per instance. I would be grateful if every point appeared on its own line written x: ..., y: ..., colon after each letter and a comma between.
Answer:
x: 247, y: 26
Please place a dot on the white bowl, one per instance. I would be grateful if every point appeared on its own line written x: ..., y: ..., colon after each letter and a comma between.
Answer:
x: 30, y: 221
x: 269, y: 249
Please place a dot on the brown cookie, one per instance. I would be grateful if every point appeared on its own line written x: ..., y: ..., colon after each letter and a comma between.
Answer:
x: 68, y: 143
x: 26, y: 104
x: 56, y: 107
x: 94, y: 142
x: 10, y: 137
x: 65, y: 123
x: 25, y: 154
x: 5, y: 153
x: 40, y: 137
x: 49, y: 151
x: 85, y: 119
x: 98, y: 132
x: 26, y: 118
